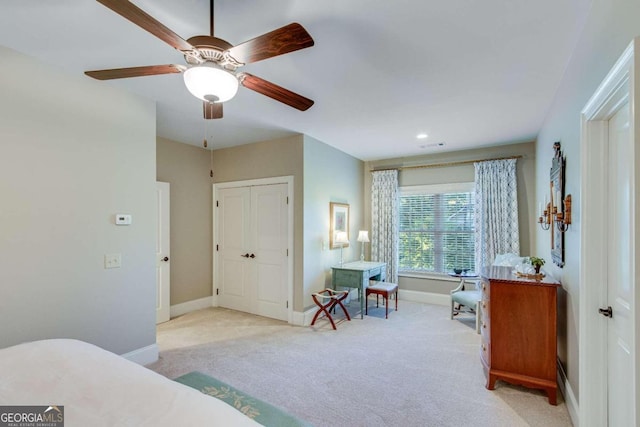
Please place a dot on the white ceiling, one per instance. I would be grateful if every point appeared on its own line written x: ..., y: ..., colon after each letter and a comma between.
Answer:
x: 468, y: 73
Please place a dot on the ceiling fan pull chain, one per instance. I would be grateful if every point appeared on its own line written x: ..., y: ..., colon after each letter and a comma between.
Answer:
x: 211, y: 151
x: 204, y: 141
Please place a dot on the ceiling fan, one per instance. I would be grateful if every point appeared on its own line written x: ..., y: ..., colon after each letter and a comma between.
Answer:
x: 210, y: 73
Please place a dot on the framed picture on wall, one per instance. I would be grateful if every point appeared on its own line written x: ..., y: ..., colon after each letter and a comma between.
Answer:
x: 339, y: 223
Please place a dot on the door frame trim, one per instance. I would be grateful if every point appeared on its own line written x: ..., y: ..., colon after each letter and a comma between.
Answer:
x: 290, y: 242
x: 618, y: 87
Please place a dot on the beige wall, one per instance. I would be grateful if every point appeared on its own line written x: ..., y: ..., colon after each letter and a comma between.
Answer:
x: 329, y: 176
x: 610, y: 27
x: 186, y: 168
x: 73, y: 153
x: 525, y: 171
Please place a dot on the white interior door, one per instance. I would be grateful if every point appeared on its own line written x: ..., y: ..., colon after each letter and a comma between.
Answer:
x: 252, y: 238
x: 163, y: 280
x: 269, y: 232
x: 232, y: 241
x: 608, y: 222
x: 620, y: 281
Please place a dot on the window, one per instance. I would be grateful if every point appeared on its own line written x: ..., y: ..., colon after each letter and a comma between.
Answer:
x: 436, y: 228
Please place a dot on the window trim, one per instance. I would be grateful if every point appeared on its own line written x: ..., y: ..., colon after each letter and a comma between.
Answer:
x: 455, y: 187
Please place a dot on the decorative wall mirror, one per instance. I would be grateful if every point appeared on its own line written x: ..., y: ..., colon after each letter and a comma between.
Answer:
x: 557, y: 204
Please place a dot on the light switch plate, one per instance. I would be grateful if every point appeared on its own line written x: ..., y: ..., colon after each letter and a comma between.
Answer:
x: 123, y: 219
x: 112, y: 261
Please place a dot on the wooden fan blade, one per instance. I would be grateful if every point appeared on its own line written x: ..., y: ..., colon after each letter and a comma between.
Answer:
x: 275, y: 92
x: 123, y: 73
x: 212, y: 110
x: 145, y: 21
x: 287, y: 39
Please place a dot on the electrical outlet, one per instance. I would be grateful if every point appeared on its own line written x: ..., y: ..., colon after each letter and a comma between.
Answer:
x: 112, y: 261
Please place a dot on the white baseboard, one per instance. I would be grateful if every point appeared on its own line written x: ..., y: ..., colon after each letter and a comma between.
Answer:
x: 424, y: 297
x: 303, y: 318
x: 143, y: 356
x: 569, y: 396
x: 189, y: 306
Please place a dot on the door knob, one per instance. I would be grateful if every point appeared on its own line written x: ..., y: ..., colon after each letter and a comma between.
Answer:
x: 245, y: 255
x: 606, y: 312
x: 252, y: 256
x: 165, y: 259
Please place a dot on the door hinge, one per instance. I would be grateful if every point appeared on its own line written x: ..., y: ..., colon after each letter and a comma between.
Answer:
x: 287, y: 251
x: 217, y: 291
x: 287, y: 199
x: 287, y: 304
x: 217, y: 204
x: 217, y: 248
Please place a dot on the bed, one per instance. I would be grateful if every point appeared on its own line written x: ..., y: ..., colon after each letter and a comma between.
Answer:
x: 99, y: 388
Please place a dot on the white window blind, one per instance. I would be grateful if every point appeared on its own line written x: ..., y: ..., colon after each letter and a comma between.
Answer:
x: 436, y: 228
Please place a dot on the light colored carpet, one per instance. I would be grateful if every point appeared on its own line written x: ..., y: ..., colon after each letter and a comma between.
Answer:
x: 418, y: 368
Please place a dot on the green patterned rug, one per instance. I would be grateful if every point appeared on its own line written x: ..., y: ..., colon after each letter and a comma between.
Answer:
x: 261, y: 412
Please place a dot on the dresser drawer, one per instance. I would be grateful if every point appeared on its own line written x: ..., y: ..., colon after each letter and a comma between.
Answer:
x: 485, y: 325
x: 485, y: 309
x: 485, y: 289
x: 375, y: 272
x: 485, y: 351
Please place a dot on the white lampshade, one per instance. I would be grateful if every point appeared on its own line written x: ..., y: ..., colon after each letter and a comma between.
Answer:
x: 210, y: 83
x: 363, y: 236
x: 341, y: 237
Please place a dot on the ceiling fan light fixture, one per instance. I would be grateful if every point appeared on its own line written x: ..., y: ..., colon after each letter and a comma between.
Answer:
x: 209, y: 82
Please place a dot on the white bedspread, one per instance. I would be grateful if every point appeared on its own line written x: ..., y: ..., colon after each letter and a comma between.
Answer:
x: 99, y: 388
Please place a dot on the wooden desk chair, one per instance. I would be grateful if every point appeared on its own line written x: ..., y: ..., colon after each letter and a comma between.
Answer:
x: 381, y: 288
x: 326, y: 301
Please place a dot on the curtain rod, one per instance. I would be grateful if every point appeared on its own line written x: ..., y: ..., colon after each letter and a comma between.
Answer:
x: 439, y: 165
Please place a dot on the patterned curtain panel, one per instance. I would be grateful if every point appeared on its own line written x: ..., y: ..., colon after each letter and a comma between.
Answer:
x: 496, y: 210
x: 384, y: 221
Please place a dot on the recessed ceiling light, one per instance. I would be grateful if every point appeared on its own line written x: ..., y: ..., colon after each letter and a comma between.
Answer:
x: 432, y: 145
x: 422, y: 136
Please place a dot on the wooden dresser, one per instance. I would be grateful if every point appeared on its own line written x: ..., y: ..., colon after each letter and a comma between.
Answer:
x: 518, y: 330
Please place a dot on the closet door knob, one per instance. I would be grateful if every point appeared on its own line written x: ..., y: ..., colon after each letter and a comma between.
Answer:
x: 165, y: 259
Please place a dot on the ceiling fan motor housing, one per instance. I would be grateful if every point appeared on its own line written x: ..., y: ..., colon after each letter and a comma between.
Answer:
x: 212, y: 49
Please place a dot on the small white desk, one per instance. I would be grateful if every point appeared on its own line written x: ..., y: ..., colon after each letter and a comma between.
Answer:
x: 357, y: 275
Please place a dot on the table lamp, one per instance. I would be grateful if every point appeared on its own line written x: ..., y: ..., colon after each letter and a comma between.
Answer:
x: 363, y: 237
x: 342, y: 239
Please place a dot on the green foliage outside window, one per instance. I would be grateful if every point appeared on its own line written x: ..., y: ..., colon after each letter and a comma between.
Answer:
x: 436, y: 232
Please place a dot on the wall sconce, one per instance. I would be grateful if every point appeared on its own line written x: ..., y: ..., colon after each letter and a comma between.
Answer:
x: 342, y: 239
x: 553, y: 214
x: 363, y: 237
